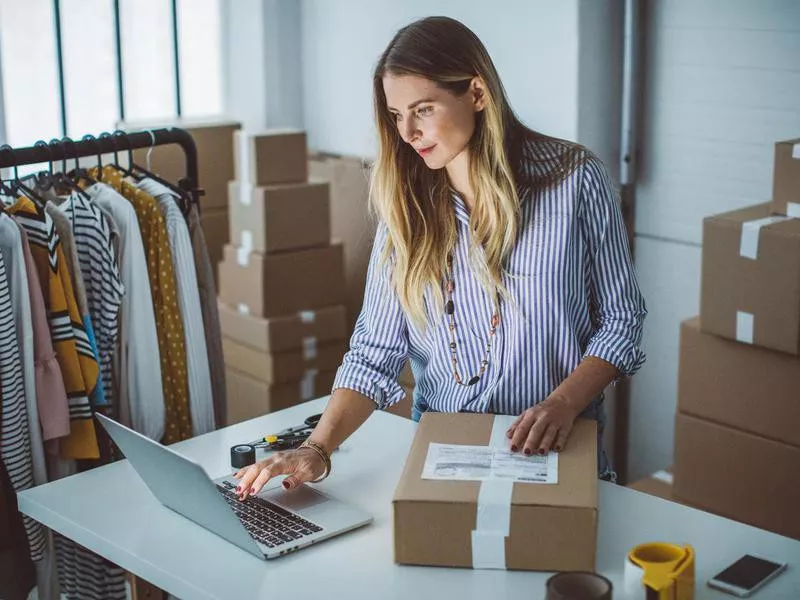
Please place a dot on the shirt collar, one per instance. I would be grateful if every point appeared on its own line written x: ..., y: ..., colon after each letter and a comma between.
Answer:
x: 462, y: 214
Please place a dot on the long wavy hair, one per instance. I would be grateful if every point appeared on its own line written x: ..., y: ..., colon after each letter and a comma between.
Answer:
x: 415, y: 202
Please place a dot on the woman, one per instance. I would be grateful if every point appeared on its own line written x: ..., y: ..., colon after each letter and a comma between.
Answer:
x: 500, y: 266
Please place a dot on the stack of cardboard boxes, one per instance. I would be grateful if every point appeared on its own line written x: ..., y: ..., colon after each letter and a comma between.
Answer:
x: 281, y: 279
x: 737, y: 440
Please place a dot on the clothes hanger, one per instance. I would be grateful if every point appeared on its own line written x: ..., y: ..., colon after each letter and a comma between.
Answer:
x: 17, y: 185
x: 116, y: 164
x: 61, y: 178
x: 79, y: 174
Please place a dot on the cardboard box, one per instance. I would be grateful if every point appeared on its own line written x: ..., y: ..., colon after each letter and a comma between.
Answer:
x: 214, y: 222
x: 272, y: 285
x: 738, y: 385
x: 271, y: 157
x: 285, y: 217
x: 351, y: 223
x: 658, y: 484
x: 737, y: 475
x: 249, y: 398
x: 213, y: 138
x: 282, y: 367
x: 553, y: 527
x: 786, y: 179
x: 305, y: 330
x: 751, y: 278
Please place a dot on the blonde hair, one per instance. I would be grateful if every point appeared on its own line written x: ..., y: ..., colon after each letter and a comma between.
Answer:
x: 415, y: 202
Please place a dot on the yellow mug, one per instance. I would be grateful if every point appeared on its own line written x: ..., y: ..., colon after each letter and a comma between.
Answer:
x: 664, y: 569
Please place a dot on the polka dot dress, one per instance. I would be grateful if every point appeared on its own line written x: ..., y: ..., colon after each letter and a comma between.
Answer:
x: 169, y: 326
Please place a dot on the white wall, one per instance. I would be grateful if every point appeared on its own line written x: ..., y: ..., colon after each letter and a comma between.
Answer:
x: 723, y: 84
x: 533, y: 44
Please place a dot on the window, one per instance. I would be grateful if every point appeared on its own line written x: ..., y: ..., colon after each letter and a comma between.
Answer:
x: 101, y: 87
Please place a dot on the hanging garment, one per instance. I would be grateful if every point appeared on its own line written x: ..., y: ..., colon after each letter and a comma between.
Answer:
x: 83, y: 575
x: 15, y: 445
x: 172, y: 347
x: 51, y: 396
x: 98, y: 265
x: 17, y: 573
x: 211, y: 326
x: 64, y: 230
x: 140, y: 402
x: 201, y: 401
x: 17, y: 276
x: 73, y: 350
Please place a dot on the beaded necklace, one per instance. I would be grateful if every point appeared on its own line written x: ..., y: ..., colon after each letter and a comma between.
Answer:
x: 449, y: 309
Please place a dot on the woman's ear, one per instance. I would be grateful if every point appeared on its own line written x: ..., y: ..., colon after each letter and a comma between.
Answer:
x: 477, y: 89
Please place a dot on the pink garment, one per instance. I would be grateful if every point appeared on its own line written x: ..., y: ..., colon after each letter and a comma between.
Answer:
x: 51, y: 396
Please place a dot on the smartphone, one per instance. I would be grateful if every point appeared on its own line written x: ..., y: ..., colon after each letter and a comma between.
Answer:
x: 746, y: 575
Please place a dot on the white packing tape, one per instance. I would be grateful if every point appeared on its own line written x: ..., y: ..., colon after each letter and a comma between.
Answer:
x: 796, y: 150
x: 751, y: 230
x: 243, y: 256
x: 493, y: 517
x: 242, y: 167
x: 245, y: 193
x: 307, y: 316
x: 246, y: 239
x: 744, y: 327
x: 307, y: 384
x: 664, y: 476
x: 310, y: 347
x: 243, y: 309
x: 793, y: 210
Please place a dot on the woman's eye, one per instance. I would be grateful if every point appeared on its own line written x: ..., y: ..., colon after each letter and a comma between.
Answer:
x: 424, y: 111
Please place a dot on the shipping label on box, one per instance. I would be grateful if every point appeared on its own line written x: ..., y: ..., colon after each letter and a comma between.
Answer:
x: 751, y: 278
x: 496, y: 523
x: 786, y: 179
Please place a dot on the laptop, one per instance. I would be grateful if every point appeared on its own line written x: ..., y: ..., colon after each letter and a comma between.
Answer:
x: 268, y: 525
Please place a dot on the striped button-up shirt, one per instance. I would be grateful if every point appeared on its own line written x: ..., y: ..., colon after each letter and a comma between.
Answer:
x: 575, y: 294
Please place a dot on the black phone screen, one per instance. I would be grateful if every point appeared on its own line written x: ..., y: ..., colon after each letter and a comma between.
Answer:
x: 747, y: 572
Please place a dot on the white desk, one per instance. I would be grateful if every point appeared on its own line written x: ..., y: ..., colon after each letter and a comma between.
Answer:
x: 110, y: 511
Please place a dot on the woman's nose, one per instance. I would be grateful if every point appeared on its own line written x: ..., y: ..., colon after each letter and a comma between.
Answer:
x: 410, y: 132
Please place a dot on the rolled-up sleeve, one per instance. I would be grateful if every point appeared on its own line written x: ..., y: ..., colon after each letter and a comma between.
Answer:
x: 379, y: 344
x: 618, y: 307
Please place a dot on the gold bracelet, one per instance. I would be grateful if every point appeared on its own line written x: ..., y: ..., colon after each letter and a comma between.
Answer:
x: 326, y: 459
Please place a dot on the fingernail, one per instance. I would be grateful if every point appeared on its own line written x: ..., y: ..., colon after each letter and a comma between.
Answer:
x: 513, y: 448
x: 252, y: 491
x: 558, y: 448
x: 527, y: 451
x: 286, y: 485
x: 541, y: 451
x: 238, y: 489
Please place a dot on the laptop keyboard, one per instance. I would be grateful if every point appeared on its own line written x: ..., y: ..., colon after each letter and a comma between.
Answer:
x: 267, y: 522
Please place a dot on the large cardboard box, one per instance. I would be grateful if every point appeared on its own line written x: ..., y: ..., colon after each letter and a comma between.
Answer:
x: 553, y: 527
x: 737, y: 475
x: 738, y: 385
x: 751, y: 278
x: 305, y: 330
x: 282, y: 367
x: 213, y: 137
x: 658, y: 484
x: 786, y: 179
x: 350, y: 220
x: 272, y: 285
x: 249, y: 397
x: 279, y: 217
x: 270, y: 157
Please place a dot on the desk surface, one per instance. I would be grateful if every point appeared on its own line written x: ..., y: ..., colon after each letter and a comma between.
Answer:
x: 110, y: 511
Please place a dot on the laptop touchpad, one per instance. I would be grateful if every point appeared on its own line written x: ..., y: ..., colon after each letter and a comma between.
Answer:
x: 297, y: 499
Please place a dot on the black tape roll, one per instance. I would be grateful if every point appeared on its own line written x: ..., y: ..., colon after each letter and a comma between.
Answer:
x: 242, y: 455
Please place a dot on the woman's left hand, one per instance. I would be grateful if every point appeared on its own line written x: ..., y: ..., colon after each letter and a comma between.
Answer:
x: 543, y: 427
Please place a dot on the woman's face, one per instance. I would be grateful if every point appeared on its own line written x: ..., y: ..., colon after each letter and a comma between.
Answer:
x: 434, y: 121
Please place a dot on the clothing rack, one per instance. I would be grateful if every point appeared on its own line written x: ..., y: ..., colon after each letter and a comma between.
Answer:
x: 118, y: 141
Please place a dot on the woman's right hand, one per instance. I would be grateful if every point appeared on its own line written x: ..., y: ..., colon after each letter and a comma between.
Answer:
x: 300, y: 466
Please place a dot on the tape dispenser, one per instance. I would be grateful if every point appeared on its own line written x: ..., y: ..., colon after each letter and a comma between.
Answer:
x: 660, y: 571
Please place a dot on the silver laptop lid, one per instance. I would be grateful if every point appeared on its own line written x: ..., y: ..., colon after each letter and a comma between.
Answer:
x: 180, y: 484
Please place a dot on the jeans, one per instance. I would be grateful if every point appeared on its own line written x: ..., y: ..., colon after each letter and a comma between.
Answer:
x: 595, y: 411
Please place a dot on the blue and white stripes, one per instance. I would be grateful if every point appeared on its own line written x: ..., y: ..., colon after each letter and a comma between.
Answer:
x: 575, y: 293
